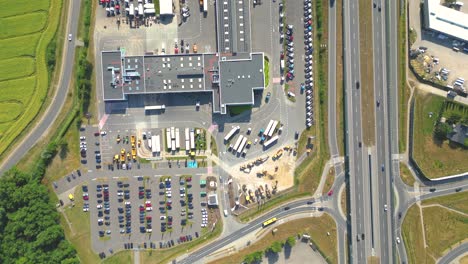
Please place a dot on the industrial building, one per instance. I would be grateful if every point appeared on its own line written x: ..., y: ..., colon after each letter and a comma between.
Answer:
x: 231, y: 75
x: 445, y: 20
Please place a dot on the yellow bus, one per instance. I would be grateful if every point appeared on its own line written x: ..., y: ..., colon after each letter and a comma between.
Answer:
x: 269, y: 222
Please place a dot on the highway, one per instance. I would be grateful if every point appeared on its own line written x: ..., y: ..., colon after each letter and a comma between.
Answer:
x: 382, y: 217
x: 357, y: 169
x: 42, y: 126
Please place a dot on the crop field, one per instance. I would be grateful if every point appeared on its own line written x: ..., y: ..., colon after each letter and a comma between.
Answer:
x: 20, y: 46
x: 20, y: 25
x: 18, y: 7
x: 16, y: 67
x: 26, y: 30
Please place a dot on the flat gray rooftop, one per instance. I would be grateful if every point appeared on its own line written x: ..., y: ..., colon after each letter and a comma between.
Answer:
x: 239, y: 78
x: 112, y: 75
x: 174, y: 73
x: 233, y: 26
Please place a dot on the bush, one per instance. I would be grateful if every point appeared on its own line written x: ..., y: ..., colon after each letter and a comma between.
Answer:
x: 50, y: 55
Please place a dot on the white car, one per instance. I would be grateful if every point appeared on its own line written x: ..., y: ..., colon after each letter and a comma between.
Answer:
x: 385, y: 207
x: 103, y: 133
x: 99, y: 206
x: 149, y: 230
x: 398, y: 240
x: 85, y: 209
x: 69, y: 37
x: 82, y: 138
x: 290, y: 26
x: 162, y: 217
x: 149, y: 209
x: 127, y: 203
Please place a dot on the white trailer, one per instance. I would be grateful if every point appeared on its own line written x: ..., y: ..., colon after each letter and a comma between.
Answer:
x: 239, y: 140
x: 273, y: 128
x: 132, y: 10
x: 267, y: 130
x: 187, y: 145
x: 187, y: 134
x: 205, y: 6
x: 157, y: 144
x: 231, y: 133
x: 168, y: 138
x: 140, y: 9
x: 192, y: 139
x: 172, y: 133
x: 148, y: 6
x: 173, y: 145
x: 242, y: 145
x: 270, y: 141
x: 177, y: 139
x: 150, y: 11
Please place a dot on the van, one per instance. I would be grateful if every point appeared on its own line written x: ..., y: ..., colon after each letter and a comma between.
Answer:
x: 455, y: 49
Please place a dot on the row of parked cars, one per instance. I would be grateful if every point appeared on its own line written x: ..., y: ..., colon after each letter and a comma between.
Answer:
x: 308, y: 85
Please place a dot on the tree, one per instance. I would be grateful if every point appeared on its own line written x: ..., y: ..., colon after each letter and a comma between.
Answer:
x: 275, y: 247
x: 291, y: 241
x: 253, y: 257
x: 441, y: 130
x: 454, y: 118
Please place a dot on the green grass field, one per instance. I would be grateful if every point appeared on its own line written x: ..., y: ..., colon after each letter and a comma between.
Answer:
x: 26, y: 30
x: 436, y: 159
x: 457, y: 201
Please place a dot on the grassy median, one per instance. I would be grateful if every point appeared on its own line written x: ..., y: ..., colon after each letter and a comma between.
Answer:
x: 367, y: 71
x: 403, y: 89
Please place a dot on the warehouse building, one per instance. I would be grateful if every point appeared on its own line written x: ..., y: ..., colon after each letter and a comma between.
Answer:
x: 231, y: 75
x: 445, y: 20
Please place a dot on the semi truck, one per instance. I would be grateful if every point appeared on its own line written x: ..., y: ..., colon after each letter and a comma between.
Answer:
x: 155, y: 144
x: 242, y: 145
x: 231, y: 133
x: 270, y: 141
x: 177, y: 139
x: 168, y: 138
x: 267, y: 130
x: 239, y: 140
x: 192, y: 139
x: 273, y: 128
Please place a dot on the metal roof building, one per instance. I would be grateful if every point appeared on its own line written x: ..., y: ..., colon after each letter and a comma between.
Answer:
x: 231, y: 75
x: 445, y: 20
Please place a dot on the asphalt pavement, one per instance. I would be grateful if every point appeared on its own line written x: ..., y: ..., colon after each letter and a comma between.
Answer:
x: 42, y: 126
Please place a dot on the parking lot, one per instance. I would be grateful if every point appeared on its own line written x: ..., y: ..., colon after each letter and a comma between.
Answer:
x: 145, y: 212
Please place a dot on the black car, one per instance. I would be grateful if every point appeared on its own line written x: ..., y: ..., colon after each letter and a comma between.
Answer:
x: 310, y: 202
x: 432, y: 189
x: 357, y: 85
x: 286, y: 208
x: 458, y: 189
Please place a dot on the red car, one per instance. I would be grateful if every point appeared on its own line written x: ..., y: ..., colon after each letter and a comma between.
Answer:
x: 142, y: 208
x: 282, y: 55
x: 189, y: 179
x: 330, y: 193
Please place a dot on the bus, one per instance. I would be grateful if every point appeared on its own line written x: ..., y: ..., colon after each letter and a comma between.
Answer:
x: 269, y: 222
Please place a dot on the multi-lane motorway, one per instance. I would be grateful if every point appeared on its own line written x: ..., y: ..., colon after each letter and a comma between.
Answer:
x: 357, y: 169
x: 57, y: 102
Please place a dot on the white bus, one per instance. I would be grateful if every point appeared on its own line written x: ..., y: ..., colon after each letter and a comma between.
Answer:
x: 168, y: 138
